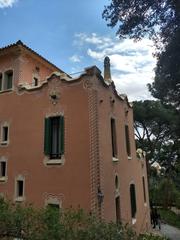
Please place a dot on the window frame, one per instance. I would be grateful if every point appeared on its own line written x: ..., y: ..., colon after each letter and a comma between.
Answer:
x: 19, y: 198
x: 4, y: 78
x: 127, y: 140
x: 144, y: 190
x: 3, y: 177
x: 4, y: 142
x: 58, y: 157
x: 133, y: 202
x: 114, y: 139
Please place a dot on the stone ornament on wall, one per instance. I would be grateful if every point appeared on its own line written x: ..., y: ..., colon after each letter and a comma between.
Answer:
x: 87, y: 84
x: 54, y: 96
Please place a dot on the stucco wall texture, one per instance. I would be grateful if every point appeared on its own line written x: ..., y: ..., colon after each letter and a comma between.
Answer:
x: 87, y: 104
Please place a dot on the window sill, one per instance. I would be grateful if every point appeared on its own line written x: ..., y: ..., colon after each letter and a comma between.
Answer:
x: 3, y: 179
x: 133, y: 221
x: 114, y: 159
x: 5, y: 143
x: 54, y: 162
x: 19, y: 199
x: 129, y: 157
x: 6, y: 90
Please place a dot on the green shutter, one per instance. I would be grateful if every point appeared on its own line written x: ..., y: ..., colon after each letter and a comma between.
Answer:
x: 47, y: 137
x: 62, y: 134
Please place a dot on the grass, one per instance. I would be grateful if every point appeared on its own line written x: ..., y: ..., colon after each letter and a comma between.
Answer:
x: 170, y: 217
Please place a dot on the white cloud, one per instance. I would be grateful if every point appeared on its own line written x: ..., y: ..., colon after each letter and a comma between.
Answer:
x: 132, y: 63
x: 7, y: 3
x: 75, y: 58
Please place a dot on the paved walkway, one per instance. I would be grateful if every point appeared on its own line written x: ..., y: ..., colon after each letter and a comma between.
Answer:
x: 170, y: 232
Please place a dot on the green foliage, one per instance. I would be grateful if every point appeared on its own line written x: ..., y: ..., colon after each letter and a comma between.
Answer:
x: 170, y: 217
x: 155, y: 131
x: 26, y: 222
x: 166, y: 85
x: 137, y: 19
x: 163, y: 192
x: 160, y: 21
x: 151, y: 237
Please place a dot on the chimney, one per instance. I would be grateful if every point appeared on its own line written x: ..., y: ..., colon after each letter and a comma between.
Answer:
x: 107, y: 70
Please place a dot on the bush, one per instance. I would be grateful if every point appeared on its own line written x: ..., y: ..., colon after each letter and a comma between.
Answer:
x: 170, y: 217
x: 28, y: 223
x: 150, y: 237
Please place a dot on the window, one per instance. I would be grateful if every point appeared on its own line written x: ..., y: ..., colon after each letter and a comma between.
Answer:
x: 35, y: 81
x: 8, y: 77
x: 2, y: 169
x: 0, y: 81
x: 20, y: 189
x: 6, y: 81
x: 113, y: 138
x: 118, y: 213
x: 128, y: 148
x: 53, y: 206
x: 4, y: 134
x: 54, y: 137
x: 144, y: 189
x: 116, y: 182
x: 133, y: 200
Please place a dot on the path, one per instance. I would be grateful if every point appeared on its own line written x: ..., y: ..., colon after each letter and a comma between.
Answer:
x: 170, y: 232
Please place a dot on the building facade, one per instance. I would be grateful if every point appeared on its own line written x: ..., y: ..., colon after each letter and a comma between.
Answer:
x: 68, y: 141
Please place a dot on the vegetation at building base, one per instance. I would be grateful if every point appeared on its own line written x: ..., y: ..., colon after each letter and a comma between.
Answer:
x: 26, y: 222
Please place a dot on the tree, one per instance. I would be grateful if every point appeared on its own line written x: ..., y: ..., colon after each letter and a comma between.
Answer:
x: 155, y: 132
x: 140, y: 18
x: 166, y: 85
x: 160, y: 21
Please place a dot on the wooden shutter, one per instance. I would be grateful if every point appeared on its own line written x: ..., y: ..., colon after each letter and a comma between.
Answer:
x: 62, y: 134
x: 47, y: 136
x: 133, y: 200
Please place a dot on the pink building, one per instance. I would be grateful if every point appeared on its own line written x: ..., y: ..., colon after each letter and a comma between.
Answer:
x: 68, y: 141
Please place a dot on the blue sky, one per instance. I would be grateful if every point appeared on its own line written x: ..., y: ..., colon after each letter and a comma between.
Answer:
x: 73, y: 35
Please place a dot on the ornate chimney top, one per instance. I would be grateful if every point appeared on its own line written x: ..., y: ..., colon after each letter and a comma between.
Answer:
x: 107, y: 70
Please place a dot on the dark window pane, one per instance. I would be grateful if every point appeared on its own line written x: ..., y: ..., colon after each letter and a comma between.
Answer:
x: 8, y: 80
x: 144, y: 189
x: 0, y: 82
x: 2, y: 169
x: 128, y: 149
x: 20, y: 184
x: 5, y: 134
x: 35, y: 81
x: 133, y: 200
x: 113, y: 138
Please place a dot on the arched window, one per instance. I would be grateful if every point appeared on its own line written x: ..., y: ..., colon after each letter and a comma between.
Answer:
x: 133, y: 200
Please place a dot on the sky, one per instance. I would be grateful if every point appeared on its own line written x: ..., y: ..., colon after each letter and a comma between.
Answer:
x: 72, y: 35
